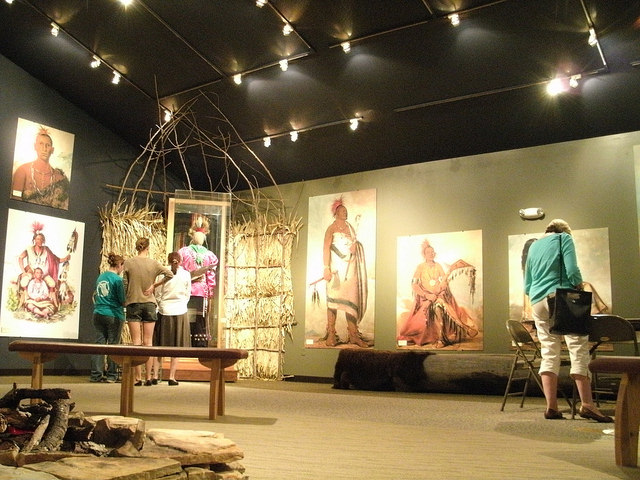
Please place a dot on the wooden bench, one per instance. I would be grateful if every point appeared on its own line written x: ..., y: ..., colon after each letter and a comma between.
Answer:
x: 129, y: 356
x: 627, y: 416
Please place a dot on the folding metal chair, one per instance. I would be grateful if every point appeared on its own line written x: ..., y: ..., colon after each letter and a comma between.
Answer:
x: 525, y: 365
x: 609, y: 329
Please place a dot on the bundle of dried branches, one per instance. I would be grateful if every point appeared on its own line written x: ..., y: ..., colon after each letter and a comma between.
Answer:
x: 121, y: 226
x: 260, y: 302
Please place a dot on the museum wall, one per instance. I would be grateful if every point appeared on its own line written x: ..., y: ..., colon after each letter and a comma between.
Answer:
x: 590, y: 183
x: 99, y: 158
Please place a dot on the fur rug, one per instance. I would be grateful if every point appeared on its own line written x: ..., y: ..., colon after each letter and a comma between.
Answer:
x: 380, y: 370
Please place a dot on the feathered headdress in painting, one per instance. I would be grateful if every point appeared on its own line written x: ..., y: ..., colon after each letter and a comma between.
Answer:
x: 36, y: 228
x: 336, y: 203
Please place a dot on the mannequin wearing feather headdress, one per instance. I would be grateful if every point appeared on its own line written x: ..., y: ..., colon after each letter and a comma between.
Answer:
x: 201, y: 263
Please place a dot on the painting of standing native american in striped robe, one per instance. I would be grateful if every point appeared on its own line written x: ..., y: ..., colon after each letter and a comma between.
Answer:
x: 341, y: 270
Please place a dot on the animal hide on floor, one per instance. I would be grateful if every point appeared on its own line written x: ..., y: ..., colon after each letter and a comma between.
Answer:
x: 380, y: 370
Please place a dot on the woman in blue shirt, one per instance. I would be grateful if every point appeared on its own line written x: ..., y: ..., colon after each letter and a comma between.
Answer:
x: 542, y: 277
x: 108, y: 316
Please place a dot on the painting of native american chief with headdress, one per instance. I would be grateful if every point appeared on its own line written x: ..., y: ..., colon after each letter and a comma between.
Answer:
x: 439, y: 300
x: 41, y: 277
x: 340, y: 270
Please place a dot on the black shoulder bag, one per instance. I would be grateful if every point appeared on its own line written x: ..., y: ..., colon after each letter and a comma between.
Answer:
x: 569, y: 308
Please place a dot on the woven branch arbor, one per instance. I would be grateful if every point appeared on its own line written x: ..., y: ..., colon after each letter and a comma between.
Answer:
x: 258, y: 296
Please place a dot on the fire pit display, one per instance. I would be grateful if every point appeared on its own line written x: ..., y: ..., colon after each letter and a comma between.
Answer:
x: 41, y: 432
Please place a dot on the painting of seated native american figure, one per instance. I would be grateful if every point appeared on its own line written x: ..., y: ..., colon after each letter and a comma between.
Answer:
x: 41, y: 277
x: 439, y: 303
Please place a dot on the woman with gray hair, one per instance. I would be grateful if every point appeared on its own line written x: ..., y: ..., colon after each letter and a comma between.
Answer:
x: 542, y: 277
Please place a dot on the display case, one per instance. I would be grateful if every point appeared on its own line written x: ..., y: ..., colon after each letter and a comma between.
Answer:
x: 197, y: 224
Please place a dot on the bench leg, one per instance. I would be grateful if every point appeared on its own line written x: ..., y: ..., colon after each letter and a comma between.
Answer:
x: 216, y: 389
x: 126, y: 387
x: 627, y: 420
x: 37, y: 370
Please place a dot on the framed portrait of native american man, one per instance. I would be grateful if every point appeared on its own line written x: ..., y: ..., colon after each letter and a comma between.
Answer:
x: 341, y: 270
x: 42, y: 162
x: 439, y: 301
x: 41, y: 282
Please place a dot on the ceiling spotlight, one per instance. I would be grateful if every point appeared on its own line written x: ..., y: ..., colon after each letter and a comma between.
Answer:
x: 346, y: 47
x: 573, y: 80
x: 55, y: 29
x: 454, y: 18
x: 167, y: 115
x: 284, y: 65
x: 554, y: 87
x: 266, y: 141
x: 353, y: 124
x: 95, y: 63
x: 126, y: 3
x: 592, y: 37
x: 287, y: 29
x: 116, y: 78
x: 9, y: 1
x: 237, y: 78
x: 294, y: 136
x: 261, y: 3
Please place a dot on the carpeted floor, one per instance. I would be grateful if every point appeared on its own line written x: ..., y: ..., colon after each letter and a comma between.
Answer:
x: 296, y: 430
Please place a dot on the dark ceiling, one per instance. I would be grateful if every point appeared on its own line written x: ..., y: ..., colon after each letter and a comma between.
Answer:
x: 423, y: 89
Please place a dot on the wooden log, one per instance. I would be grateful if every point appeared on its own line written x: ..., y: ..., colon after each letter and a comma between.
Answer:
x: 57, y: 429
x: 37, y: 435
x: 14, y: 396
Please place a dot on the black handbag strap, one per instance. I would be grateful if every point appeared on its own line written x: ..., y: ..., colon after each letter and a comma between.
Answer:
x: 561, y: 258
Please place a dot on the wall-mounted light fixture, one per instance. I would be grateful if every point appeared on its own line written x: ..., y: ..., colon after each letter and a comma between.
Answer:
x: 531, y: 213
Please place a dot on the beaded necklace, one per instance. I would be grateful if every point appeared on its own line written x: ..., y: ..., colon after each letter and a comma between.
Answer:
x: 44, y: 174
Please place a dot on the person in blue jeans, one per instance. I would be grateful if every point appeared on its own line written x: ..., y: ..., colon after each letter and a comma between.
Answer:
x: 108, y: 316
